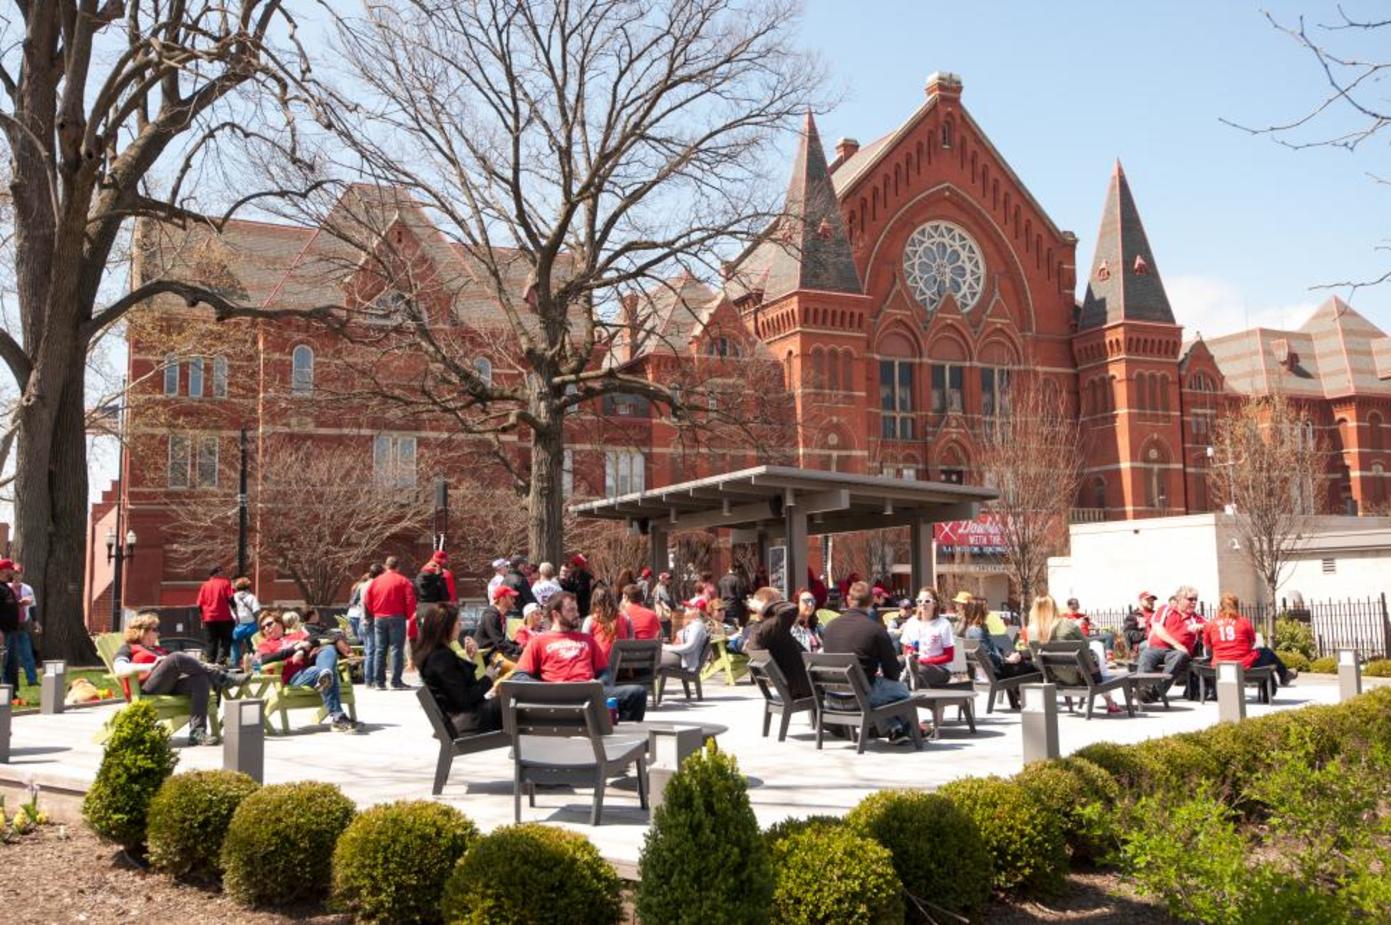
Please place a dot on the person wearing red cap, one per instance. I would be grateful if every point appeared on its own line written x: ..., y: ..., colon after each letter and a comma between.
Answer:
x: 9, y: 621
x: 580, y: 582
x: 644, y: 584
x: 492, y: 626
x: 441, y: 558
x: 390, y: 599
x: 215, y: 604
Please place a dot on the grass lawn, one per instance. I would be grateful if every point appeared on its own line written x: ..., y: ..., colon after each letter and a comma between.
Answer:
x: 98, y: 677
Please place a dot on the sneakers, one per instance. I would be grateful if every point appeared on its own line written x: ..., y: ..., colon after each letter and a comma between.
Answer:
x: 897, y: 734
x: 323, y: 682
x: 1114, y: 708
x: 341, y: 723
x: 197, y: 737
x: 228, y: 679
x: 401, y: 687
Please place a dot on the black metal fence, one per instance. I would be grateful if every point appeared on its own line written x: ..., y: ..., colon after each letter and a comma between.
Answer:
x: 1355, y: 623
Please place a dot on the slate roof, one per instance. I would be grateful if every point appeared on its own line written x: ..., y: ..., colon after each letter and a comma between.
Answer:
x: 1116, y: 289
x: 808, y: 248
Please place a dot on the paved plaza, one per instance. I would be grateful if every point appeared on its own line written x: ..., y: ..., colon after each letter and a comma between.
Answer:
x: 395, y: 758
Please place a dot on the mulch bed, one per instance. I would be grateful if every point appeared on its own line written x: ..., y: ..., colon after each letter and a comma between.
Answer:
x: 63, y: 873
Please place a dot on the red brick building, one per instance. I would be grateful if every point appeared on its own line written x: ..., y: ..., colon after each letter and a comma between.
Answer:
x: 913, y: 281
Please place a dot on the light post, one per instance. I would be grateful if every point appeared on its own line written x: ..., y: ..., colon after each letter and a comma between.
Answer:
x: 117, y: 554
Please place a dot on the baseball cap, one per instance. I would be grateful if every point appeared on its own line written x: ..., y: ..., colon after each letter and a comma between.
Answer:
x: 530, y: 609
x: 879, y: 589
x: 1147, y: 595
x: 499, y: 563
x: 698, y: 603
x: 504, y: 591
x: 7, y: 564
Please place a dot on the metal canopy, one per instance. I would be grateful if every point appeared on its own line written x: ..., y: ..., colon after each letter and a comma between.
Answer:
x: 789, y: 504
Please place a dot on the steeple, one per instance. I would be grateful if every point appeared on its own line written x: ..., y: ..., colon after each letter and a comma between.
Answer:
x: 1124, y: 284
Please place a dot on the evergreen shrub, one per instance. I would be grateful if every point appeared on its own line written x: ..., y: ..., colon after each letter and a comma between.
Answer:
x: 1081, y: 795
x: 780, y: 830
x: 279, y: 846
x: 135, y: 763
x: 1294, y: 636
x: 1024, y: 836
x: 831, y: 876
x: 1328, y: 664
x: 1120, y: 761
x: 188, y: 821
x: 1296, y: 661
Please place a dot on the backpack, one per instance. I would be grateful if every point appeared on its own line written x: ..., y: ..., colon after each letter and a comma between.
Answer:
x: 430, y: 588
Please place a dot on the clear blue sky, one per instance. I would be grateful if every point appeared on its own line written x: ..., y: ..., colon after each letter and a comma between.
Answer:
x: 1241, y: 227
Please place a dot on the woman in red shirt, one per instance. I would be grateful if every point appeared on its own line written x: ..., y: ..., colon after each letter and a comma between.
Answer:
x: 605, y: 623
x: 1231, y: 638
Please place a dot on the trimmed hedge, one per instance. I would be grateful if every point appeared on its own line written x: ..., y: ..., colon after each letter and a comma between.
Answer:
x: 1081, y: 795
x: 1297, y: 661
x: 1378, y: 668
x: 533, y: 874
x: 135, y: 763
x: 188, y: 822
x: 1328, y: 664
x: 1117, y: 760
x: 937, y: 848
x: 831, y: 876
x: 705, y: 815
x: 1175, y: 764
x: 1024, y: 836
x: 369, y: 878
x: 794, y: 826
x: 279, y: 846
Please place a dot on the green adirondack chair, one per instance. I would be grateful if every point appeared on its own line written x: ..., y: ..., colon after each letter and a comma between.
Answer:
x: 733, y: 664
x: 281, y: 698
x: 172, y: 710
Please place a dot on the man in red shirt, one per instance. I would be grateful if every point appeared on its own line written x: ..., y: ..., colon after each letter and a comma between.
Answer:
x: 566, y: 654
x: 646, y: 624
x: 1171, y: 642
x: 389, y: 599
x: 215, y: 605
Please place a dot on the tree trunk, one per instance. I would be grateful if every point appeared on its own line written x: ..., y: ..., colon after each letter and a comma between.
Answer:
x: 545, y: 532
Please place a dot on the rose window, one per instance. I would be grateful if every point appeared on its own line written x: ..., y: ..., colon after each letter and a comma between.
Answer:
x: 940, y: 258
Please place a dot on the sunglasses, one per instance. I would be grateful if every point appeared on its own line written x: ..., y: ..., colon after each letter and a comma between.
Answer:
x: 926, y: 600
x: 807, y: 600
x: 268, y: 624
x: 1192, y: 600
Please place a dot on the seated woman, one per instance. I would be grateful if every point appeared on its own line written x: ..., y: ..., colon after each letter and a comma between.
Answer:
x: 605, y: 622
x: 685, y: 653
x: 1232, y: 638
x: 928, y: 642
x: 531, y: 625
x: 162, y: 672
x: 453, y: 682
x: 1045, y: 625
x: 304, y: 664
x: 1005, y: 665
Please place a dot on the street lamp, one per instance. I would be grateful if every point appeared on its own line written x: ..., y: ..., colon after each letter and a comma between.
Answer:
x: 117, y: 554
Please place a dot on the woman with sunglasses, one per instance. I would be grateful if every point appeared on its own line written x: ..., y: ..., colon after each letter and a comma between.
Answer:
x: 928, y: 642
x: 304, y: 664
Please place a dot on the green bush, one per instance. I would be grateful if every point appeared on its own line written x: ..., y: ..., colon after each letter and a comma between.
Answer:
x: 1119, y: 761
x: 705, y: 814
x: 937, y: 848
x: 1176, y: 764
x: 1328, y: 664
x: 369, y: 879
x: 188, y: 820
x: 1024, y: 837
x: 1293, y: 636
x: 279, y: 846
x: 1296, y: 661
x: 831, y: 876
x: 135, y: 763
x: 794, y: 826
x: 1241, y: 751
x: 1081, y: 795
x: 533, y: 874
x: 1378, y: 668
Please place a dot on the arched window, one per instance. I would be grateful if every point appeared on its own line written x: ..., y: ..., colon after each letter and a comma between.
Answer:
x: 833, y: 370
x: 1374, y: 435
x: 483, y: 369
x: 219, y: 377
x: 1164, y: 393
x: 1156, y: 477
x: 302, y: 370
x: 171, y: 375
x: 818, y: 368
x: 1379, y: 487
x: 195, y: 377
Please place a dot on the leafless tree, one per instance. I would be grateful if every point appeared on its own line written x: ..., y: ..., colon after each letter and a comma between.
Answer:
x: 1029, y: 455
x: 114, y: 112
x: 573, y: 155
x: 1268, y: 468
x: 319, y: 519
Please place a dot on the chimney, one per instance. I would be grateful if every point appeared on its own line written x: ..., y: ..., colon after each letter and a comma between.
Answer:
x: 846, y: 148
x: 944, y: 84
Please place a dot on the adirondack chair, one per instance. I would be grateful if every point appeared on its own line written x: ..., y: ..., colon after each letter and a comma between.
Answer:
x: 171, y: 710
x: 734, y: 664
x: 281, y: 698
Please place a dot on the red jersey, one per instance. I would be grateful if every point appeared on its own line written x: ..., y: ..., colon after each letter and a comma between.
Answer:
x: 563, y: 656
x: 645, y: 622
x: 1146, y: 618
x: 622, y: 629
x: 215, y: 600
x: 1176, y: 622
x: 138, y: 655
x: 288, y: 668
x: 1231, y: 638
x: 390, y: 594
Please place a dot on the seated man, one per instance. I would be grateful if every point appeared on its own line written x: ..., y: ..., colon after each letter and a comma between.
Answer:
x: 857, y: 633
x: 163, y: 672
x: 771, y: 621
x: 685, y: 653
x: 564, y: 653
x: 492, y: 627
x: 1171, y: 642
x: 304, y: 664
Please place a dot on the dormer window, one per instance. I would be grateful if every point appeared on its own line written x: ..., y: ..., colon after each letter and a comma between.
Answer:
x: 1141, y: 268
x: 721, y: 346
x: 1103, y: 272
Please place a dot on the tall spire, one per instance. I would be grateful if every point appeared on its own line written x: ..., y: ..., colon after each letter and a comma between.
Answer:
x: 1124, y: 284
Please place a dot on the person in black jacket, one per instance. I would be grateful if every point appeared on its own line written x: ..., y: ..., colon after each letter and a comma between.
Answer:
x: 453, y: 682
x: 858, y: 634
x: 492, y: 626
x: 579, y: 582
x: 733, y: 590
x: 520, y: 586
x: 9, y: 622
x: 770, y: 630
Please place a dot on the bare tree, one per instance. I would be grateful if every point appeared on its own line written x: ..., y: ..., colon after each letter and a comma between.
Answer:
x: 572, y: 155
x: 319, y: 520
x: 1029, y: 455
x: 1268, y: 470
x: 113, y: 112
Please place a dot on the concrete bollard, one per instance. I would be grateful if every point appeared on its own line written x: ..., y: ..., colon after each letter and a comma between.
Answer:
x: 667, y: 748
x: 6, y: 695
x: 1231, y: 693
x: 1039, y: 721
x: 244, y: 737
x: 53, y: 686
x: 1349, y: 674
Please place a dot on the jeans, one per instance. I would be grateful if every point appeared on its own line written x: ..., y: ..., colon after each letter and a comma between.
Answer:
x: 1267, y: 657
x: 240, y: 634
x: 219, y: 643
x: 182, y: 673
x: 19, y: 648
x: 389, y: 632
x: 632, y: 698
x: 325, y: 662
x: 1172, y: 662
x: 884, y: 691
x: 367, y: 632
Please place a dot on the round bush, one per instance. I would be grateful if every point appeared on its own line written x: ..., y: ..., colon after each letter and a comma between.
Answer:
x: 1297, y: 661
x: 369, y: 879
x: 1117, y: 760
x: 831, y: 876
x: 1071, y: 792
x: 1176, y: 765
x: 705, y: 814
x: 780, y: 830
x: 1024, y: 837
x: 188, y: 821
x: 937, y: 849
x: 279, y: 847
x: 135, y: 763
x: 532, y: 874
x: 1241, y: 751
x: 1326, y: 665
x: 1378, y: 668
